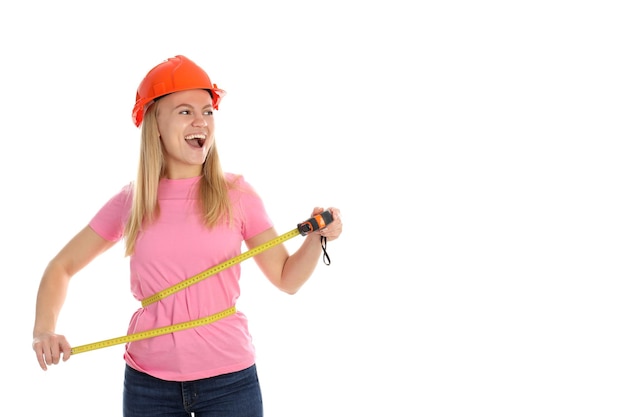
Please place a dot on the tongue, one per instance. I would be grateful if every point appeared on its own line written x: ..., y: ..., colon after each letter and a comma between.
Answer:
x: 195, y: 143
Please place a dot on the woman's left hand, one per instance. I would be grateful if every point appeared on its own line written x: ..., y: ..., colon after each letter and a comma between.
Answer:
x: 333, y: 230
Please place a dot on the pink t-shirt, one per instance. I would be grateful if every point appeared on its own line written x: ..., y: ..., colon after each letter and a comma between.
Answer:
x: 176, y: 247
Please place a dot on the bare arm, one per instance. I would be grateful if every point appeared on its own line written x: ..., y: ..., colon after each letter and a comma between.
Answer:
x: 290, y: 272
x: 76, y: 254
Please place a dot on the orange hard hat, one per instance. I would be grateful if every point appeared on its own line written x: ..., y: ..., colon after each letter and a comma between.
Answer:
x: 176, y: 74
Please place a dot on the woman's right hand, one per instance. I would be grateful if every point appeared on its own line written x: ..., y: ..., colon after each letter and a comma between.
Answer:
x: 49, y: 348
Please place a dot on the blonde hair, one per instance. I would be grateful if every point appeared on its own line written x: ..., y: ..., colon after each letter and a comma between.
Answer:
x: 213, y: 200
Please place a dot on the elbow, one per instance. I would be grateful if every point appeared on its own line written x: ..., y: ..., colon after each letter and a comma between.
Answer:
x: 289, y: 290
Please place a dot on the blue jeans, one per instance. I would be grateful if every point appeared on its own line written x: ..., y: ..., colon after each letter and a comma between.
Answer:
x: 236, y: 394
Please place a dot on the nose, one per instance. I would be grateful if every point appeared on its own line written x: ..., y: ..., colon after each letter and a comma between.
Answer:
x: 199, y: 121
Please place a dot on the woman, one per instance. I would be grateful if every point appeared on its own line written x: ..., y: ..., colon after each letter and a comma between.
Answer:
x: 180, y: 217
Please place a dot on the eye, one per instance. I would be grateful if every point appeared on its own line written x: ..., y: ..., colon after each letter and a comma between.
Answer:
x: 208, y: 113
x: 184, y: 112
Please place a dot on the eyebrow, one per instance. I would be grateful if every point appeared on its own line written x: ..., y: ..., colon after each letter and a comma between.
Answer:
x: 209, y: 105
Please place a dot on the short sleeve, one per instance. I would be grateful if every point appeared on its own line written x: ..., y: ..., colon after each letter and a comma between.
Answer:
x: 251, y: 208
x: 110, y: 220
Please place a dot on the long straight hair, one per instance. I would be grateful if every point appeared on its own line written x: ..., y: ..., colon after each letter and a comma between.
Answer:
x: 214, y: 204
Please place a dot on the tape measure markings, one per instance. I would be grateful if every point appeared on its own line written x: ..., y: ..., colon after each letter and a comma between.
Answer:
x: 155, y: 332
x: 180, y: 286
x: 218, y: 268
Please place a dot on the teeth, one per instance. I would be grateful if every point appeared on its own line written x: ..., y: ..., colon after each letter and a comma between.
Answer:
x: 195, y: 136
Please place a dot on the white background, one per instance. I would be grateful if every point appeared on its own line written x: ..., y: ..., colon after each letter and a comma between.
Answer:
x: 476, y: 150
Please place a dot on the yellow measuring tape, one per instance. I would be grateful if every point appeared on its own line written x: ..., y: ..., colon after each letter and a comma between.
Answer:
x: 214, y: 270
x: 154, y: 332
x: 180, y: 286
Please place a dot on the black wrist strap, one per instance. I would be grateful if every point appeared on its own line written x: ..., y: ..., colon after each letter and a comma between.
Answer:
x: 325, y: 257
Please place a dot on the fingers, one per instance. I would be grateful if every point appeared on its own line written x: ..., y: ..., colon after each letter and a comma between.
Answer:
x: 47, y: 354
x: 334, y: 229
x: 66, y: 349
x: 317, y: 210
x: 335, y: 212
x: 41, y: 358
x: 51, y: 350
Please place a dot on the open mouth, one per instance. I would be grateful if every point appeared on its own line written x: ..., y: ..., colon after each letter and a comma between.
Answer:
x: 196, y: 140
